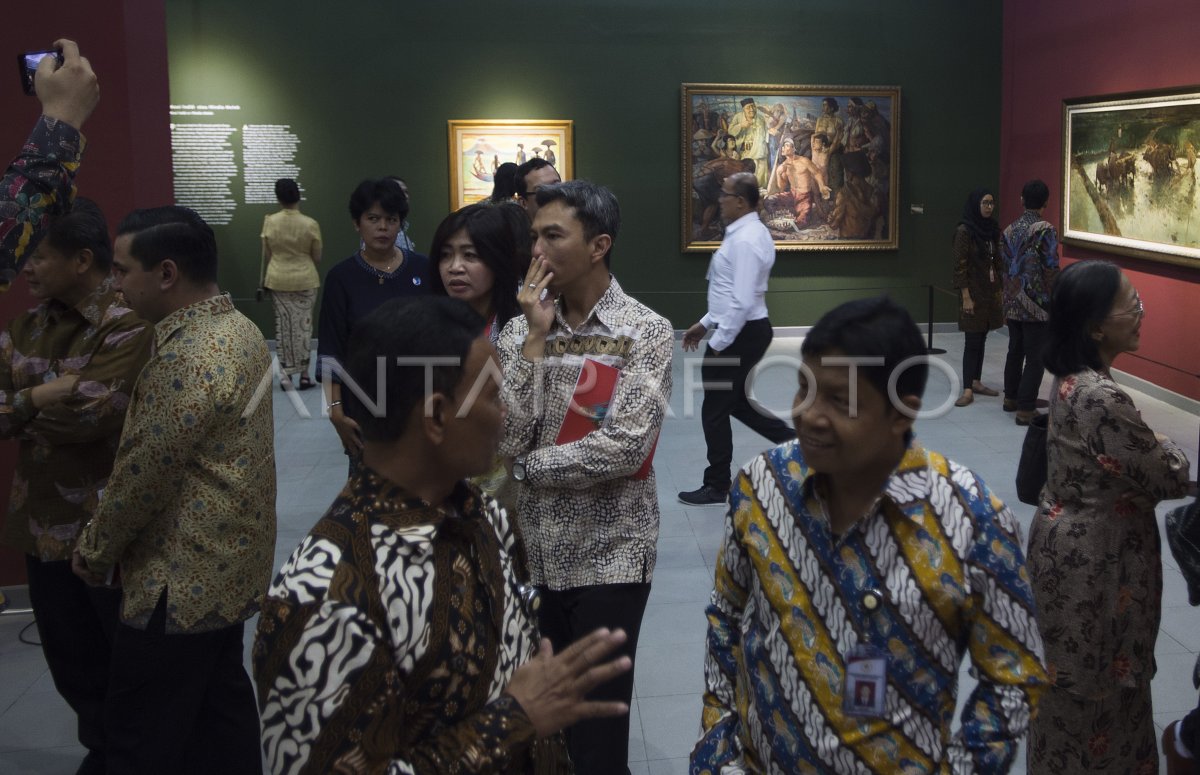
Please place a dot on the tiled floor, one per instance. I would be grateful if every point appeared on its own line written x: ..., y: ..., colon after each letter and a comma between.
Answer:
x: 37, y: 729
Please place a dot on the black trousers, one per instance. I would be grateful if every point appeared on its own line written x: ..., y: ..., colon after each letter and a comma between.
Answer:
x: 75, y: 623
x: 1023, y: 367
x: 973, y: 357
x: 180, y: 703
x: 598, y: 746
x: 725, y: 396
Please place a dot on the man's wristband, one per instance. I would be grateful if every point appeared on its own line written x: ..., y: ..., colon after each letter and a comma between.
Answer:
x: 332, y: 404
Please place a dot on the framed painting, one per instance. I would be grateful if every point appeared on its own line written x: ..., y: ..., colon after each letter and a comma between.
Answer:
x: 1129, y: 174
x: 479, y: 147
x: 826, y: 159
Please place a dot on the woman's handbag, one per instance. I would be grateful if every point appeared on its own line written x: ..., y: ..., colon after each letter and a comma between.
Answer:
x: 1031, y: 471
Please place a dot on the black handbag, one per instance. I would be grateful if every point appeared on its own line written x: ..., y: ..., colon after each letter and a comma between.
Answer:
x: 1031, y: 471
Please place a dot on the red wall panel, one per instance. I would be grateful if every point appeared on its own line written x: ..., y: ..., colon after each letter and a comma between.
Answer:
x: 1056, y: 51
x: 127, y: 162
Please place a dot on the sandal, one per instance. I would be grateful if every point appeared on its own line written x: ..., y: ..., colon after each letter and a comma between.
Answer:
x: 306, y: 383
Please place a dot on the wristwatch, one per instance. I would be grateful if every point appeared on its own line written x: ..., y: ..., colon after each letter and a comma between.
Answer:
x: 518, y: 468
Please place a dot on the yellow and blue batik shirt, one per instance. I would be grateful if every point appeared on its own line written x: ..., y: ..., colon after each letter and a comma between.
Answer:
x: 943, y: 553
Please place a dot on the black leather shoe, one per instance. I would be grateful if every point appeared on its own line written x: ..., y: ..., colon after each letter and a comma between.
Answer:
x: 705, y: 496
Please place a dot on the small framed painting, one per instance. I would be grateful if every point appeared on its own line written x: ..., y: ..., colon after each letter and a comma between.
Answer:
x: 479, y: 146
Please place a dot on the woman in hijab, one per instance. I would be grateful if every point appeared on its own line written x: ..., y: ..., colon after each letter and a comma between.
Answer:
x: 978, y: 268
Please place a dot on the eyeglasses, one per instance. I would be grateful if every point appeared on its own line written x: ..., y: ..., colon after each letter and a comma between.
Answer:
x: 1138, y: 310
x: 987, y: 203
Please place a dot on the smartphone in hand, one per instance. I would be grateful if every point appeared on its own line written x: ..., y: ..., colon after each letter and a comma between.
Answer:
x: 28, y: 63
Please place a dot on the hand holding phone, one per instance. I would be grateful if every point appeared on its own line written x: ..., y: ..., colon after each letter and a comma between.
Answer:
x: 28, y: 63
x: 64, y: 83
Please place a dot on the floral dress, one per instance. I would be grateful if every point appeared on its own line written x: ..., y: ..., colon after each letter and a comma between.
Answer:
x: 1095, y: 558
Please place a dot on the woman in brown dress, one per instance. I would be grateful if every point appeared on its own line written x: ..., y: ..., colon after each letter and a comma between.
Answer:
x: 978, y: 268
x: 1094, y: 553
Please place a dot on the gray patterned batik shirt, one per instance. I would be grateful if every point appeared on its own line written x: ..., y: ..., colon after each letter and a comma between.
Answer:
x: 586, y: 520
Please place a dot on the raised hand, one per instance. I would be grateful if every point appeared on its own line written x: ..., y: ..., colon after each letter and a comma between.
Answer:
x: 538, y: 306
x: 551, y: 687
x: 68, y: 93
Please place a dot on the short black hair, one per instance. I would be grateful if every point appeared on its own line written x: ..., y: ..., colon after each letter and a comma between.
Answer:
x: 830, y: 101
x: 1082, y: 298
x: 384, y: 192
x: 533, y: 164
x: 595, y: 206
x: 500, y: 233
x: 504, y: 182
x: 422, y: 327
x: 174, y: 232
x: 875, y: 327
x: 287, y: 191
x: 82, y: 228
x: 1034, y: 195
x: 746, y: 186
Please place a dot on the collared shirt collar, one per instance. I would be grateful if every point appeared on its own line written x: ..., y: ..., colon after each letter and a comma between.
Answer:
x: 214, y: 305
x: 893, y: 495
x: 89, y: 307
x: 606, y: 309
x: 742, y: 222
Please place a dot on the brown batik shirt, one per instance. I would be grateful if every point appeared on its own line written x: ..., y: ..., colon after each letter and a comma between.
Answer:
x: 66, y: 451
x: 388, y: 637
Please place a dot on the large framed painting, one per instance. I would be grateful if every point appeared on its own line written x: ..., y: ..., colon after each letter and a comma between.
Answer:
x: 1129, y: 174
x: 479, y: 147
x: 826, y: 159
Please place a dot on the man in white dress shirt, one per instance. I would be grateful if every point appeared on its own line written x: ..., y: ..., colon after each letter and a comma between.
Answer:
x: 737, y: 280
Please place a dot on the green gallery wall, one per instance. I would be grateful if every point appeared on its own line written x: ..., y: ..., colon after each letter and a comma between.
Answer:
x: 369, y: 86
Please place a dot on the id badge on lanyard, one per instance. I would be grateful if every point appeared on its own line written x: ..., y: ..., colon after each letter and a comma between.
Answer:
x: 865, y: 686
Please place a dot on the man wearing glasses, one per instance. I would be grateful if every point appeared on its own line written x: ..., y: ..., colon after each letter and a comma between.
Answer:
x: 737, y: 311
x: 531, y: 176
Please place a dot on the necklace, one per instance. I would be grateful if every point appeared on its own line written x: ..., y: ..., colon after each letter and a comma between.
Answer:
x: 382, y: 274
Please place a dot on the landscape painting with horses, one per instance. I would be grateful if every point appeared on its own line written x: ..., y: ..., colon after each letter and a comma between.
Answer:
x: 1129, y: 175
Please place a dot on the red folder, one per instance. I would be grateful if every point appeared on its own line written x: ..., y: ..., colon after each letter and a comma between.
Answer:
x: 589, y: 407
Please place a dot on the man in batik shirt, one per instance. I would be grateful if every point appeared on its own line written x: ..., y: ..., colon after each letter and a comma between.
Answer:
x: 857, y: 569
x: 40, y: 181
x: 1031, y: 255
x: 589, y: 506
x: 67, y: 368
x: 398, y: 636
x: 188, y: 518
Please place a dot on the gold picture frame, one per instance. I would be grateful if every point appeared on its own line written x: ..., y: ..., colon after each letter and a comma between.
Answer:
x: 1129, y: 174
x: 478, y: 146
x: 850, y: 201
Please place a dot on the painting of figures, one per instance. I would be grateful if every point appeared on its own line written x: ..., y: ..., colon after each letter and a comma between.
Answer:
x: 826, y: 159
x: 1129, y: 174
x: 479, y: 147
